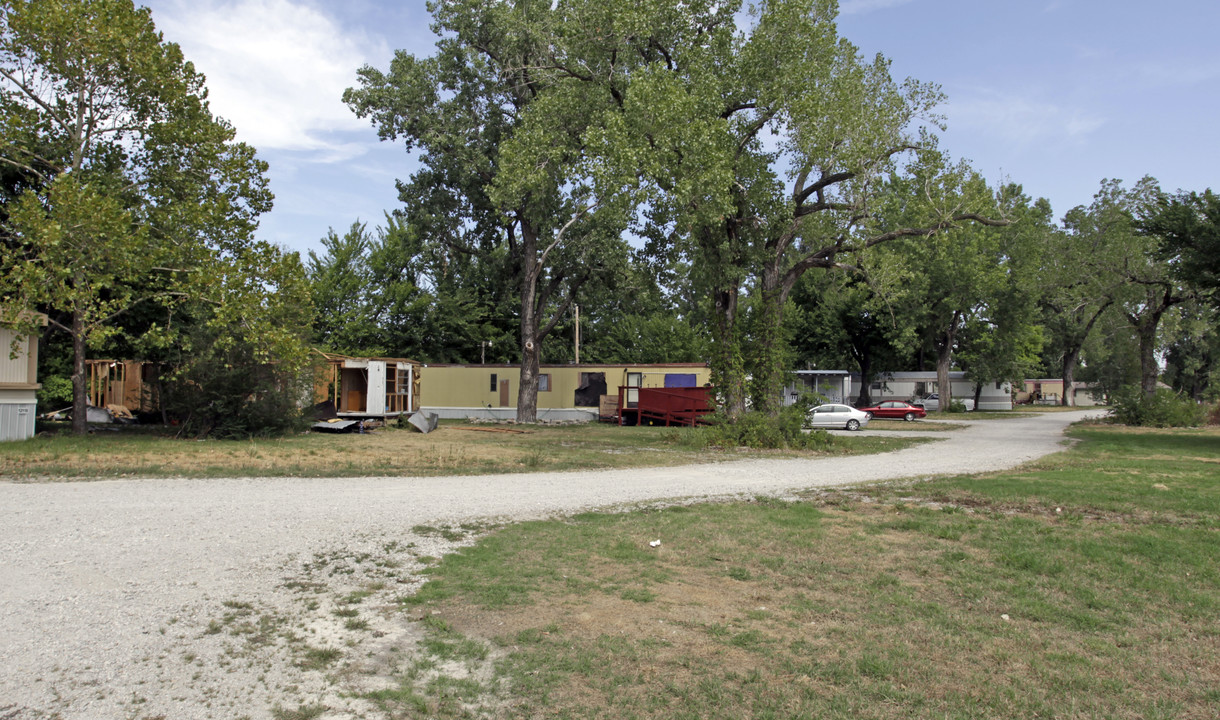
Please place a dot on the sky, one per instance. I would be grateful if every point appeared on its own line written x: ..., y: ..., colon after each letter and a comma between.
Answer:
x: 1055, y: 95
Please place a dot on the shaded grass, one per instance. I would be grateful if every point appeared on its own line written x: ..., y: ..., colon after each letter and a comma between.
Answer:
x: 455, y: 448
x: 1073, y: 588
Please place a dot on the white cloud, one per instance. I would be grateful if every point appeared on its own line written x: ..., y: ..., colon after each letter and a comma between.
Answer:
x: 1019, y: 120
x: 276, y: 69
x: 855, y: 7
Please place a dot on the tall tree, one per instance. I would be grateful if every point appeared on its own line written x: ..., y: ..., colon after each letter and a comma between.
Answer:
x: 137, y: 193
x: 951, y: 272
x: 761, y: 139
x: 462, y: 109
x: 1151, y: 285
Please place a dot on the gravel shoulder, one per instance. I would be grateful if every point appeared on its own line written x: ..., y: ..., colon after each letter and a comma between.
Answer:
x: 215, y: 598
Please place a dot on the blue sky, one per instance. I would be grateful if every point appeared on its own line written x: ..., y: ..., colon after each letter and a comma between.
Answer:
x: 1052, y: 94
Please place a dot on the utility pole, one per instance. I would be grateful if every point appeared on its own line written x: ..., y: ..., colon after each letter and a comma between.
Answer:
x: 577, y: 332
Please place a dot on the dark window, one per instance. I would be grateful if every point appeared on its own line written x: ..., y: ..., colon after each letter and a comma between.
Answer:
x: 679, y: 380
x: 493, y: 382
x: 592, y: 387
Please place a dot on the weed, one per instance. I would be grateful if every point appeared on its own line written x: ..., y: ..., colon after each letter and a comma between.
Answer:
x: 304, y: 712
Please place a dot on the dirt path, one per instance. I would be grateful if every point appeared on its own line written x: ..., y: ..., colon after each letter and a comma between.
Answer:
x: 227, y: 598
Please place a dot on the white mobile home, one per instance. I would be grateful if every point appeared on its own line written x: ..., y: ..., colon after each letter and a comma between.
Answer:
x: 834, y: 386
x: 912, y: 386
x: 18, y: 380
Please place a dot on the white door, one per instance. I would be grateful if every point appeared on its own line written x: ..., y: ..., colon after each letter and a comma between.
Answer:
x: 376, y: 399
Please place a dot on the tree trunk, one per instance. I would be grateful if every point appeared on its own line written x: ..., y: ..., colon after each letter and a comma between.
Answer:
x: 944, y: 386
x: 527, y: 392
x: 978, y: 394
x: 1070, y: 359
x: 728, y: 374
x: 865, y: 362
x: 768, y: 375
x: 1145, y: 330
x: 944, y: 361
x: 80, y: 404
x: 527, y: 387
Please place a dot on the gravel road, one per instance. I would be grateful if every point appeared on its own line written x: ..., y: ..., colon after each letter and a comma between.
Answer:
x: 226, y: 598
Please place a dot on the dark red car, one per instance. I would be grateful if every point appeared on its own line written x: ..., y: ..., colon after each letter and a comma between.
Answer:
x: 895, y: 409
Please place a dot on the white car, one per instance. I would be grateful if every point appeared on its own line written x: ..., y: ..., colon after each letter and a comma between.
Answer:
x: 836, y: 416
x: 932, y: 403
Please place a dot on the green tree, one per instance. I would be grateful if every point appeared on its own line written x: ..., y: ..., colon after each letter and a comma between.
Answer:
x: 761, y: 139
x: 138, y: 193
x: 1188, y: 227
x: 464, y: 110
x: 1003, y: 340
x: 340, y: 281
x: 1193, y: 352
x: 951, y: 278
x: 840, y: 321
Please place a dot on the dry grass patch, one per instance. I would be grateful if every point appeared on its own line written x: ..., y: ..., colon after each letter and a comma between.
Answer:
x: 453, y: 449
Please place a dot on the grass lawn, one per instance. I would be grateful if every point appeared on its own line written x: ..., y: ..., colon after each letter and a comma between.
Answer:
x: 455, y: 448
x: 1083, y: 586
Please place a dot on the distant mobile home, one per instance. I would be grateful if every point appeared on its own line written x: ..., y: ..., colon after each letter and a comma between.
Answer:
x: 832, y: 386
x: 565, y: 392
x: 18, y: 380
x: 1049, y: 391
x: 914, y: 385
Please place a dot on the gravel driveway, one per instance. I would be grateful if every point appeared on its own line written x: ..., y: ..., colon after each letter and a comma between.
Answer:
x: 227, y: 598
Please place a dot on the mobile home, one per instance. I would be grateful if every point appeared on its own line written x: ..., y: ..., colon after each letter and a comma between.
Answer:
x: 365, y: 387
x: 565, y: 392
x: 18, y: 380
x: 912, y: 386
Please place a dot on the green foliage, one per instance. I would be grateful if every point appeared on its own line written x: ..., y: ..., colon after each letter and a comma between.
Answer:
x: 132, y: 194
x: 226, y: 391
x: 956, y: 406
x: 761, y: 430
x: 56, y: 391
x: 1188, y: 226
x: 1164, y: 408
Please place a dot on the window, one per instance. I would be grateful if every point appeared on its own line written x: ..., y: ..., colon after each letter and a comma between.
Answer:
x: 998, y: 385
x: 493, y: 383
x: 679, y: 380
x: 635, y: 379
x: 544, y: 382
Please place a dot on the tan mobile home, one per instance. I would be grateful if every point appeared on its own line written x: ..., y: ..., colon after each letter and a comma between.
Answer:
x: 565, y: 392
x: 18, y: 380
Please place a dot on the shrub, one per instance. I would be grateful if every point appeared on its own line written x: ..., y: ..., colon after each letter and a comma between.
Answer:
x: 760, y: 431
x: 956, y: 406
x: 56, y: 392
x: 227, y: 391
x: 1164, y: 408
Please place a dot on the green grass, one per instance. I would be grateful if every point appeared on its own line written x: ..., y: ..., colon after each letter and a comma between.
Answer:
x: 1084, y: 586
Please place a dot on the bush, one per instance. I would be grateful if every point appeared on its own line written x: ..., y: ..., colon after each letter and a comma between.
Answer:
x: 759, y: 431
x: 227, y: 391
x: 956, y: 406
x: 55, y: 393
x: 1164, y: 408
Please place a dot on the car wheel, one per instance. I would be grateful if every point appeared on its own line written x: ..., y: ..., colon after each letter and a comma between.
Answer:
x: 909, y: 417
x: 870, y: 415
x: 853, y: 424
